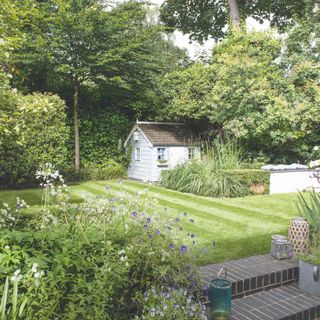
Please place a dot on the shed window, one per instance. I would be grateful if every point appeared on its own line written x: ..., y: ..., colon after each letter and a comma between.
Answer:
x: 137, y: 154
x: 191, y: 153
x: 162, y: 153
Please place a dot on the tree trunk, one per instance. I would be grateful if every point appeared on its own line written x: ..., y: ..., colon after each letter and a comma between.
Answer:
x: 234, y: 13
x: 76, y: 128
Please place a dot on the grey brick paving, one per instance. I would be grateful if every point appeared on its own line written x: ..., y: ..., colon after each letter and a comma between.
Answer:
x: 286, y: 302
x: 253, y: 274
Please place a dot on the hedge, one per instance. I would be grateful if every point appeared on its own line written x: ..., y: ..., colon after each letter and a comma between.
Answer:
x: 252, y: 181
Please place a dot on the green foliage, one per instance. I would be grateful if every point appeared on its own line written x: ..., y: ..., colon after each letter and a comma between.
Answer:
x: 244, y: 93
x: 205, y: 19
x: 96, y: 55
x: 310, y: 210
x: 217, y: 174
x: 96, y: 259
x: 252, y: 181
x: 102, y: 136
x: 302, y: 64
x: 167, y: 303
x: 34, y: 132
x: 105, y: 171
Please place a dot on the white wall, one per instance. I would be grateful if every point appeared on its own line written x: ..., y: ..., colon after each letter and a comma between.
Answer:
x: 292, y: 181
x: 148, y: 168
x: 140, y: 169
x: 175, y: 156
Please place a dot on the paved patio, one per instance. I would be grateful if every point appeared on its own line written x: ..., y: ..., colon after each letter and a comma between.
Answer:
x: 264, y: 288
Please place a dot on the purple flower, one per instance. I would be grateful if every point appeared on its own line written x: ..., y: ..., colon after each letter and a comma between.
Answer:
x: 171, y: 246
x: 148, y: 220
x: 150, y: 236
x: 177, y: 219
x: 145, y: 226
x: 183, y: 249
x: 192, y: 235
x: 157, y: 232
x: 184, y: 214
x: 111, y: 200
x: 120, y: 181
x: 205, y: 288
x: 134, y: 213
x: 108, y: 188
x: 113, y: 209
x: 191, y: 220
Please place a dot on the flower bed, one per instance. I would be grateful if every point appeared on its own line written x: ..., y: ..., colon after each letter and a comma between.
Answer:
x: 111, y: 257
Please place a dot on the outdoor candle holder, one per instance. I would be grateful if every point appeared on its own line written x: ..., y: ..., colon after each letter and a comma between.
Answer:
x: 220, y: 299
x: 281, y: 247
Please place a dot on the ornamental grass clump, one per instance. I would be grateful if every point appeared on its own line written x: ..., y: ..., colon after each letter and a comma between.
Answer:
x: 208, y: 176
x: 309, y: 208
x: 96, y: 259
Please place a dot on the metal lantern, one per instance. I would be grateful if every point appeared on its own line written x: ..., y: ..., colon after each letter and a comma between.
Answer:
x: 299, y: 235
x: 281, y: 247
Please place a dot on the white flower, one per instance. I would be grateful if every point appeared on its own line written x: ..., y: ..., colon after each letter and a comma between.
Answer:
x: 7, y: 247
x: 37, y: 275
x: 17, y: 272
x: 123, y: 258
x: 34, y: 267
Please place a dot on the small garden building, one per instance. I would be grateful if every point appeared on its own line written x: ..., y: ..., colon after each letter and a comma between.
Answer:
x: 157, y: 146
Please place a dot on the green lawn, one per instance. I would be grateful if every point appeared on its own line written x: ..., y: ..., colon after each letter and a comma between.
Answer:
x: 239, y: 227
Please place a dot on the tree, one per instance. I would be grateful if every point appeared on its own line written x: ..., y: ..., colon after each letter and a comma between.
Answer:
x: 239, y: 93
x: 93, y: 56
x: 301, y: 63
x: 209, y: 18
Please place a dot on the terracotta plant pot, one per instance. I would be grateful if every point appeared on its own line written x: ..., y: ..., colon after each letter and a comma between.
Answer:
x: 299, y: 235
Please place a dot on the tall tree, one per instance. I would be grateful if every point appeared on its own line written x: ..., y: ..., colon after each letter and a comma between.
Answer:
x: 209, y: 18
x: 87, y: 44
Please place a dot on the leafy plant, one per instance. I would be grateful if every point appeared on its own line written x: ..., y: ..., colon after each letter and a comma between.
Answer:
x: 310, y: 210
x: 206, y: 176
x: 98, y: 257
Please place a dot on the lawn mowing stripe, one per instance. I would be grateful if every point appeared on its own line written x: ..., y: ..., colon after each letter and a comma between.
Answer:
x: 205, y: 214
x: 223, y: 221
x: 207, y: 200
x: 227, y: 215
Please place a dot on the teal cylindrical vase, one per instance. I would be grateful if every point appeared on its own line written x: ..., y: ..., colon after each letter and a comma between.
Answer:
x: 220, y: 299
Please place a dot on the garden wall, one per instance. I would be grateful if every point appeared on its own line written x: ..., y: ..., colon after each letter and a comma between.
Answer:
x: 294, y: 180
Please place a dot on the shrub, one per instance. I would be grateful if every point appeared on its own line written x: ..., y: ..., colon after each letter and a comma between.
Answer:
x: 217, y: 174
x: 95, y: 260
x: 108, y: 170
x: 309, y: 208
x: 102, y: 133
x: 252, y: 181
x: 36, y: 133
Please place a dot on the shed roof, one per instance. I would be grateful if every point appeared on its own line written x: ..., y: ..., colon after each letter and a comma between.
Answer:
x: 164, y: 133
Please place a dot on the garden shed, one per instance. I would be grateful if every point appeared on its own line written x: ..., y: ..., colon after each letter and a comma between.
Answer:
x: 157, y: 146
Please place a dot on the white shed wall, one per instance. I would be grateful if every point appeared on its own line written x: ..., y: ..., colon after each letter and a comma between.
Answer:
x: 140, y: 169
x: 292, y: 181
x: 148, y: 168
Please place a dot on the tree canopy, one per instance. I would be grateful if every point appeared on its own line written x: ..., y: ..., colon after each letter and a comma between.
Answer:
x: 246, y: 92
x: 86, y: 46
x: 211, y: 18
